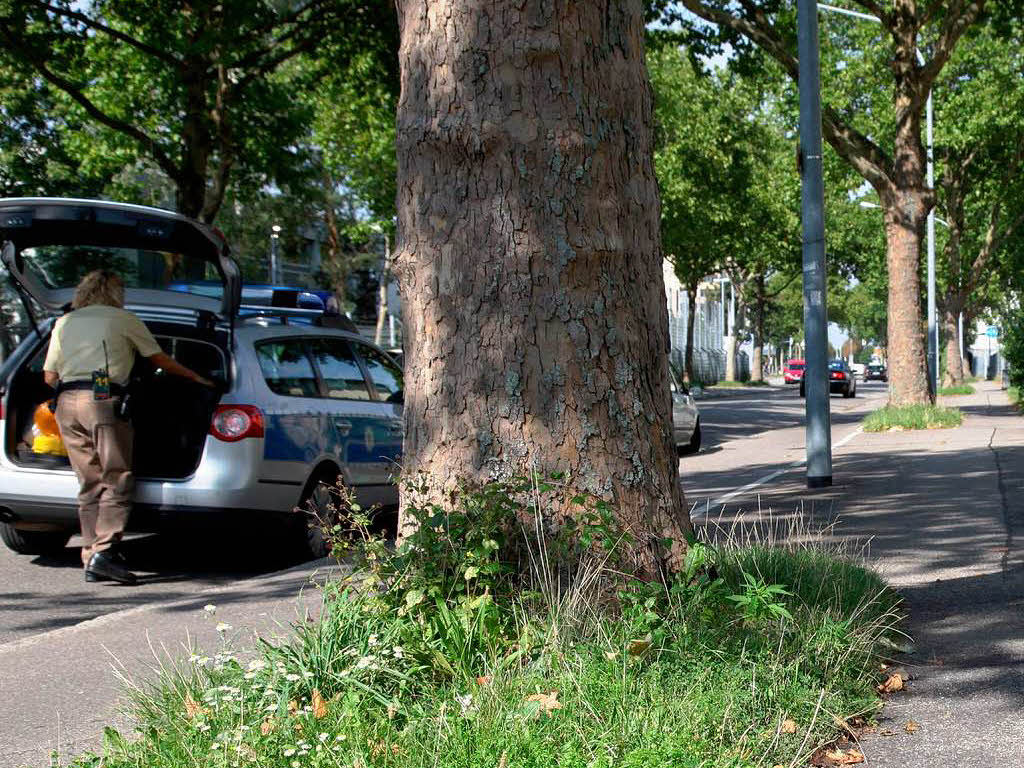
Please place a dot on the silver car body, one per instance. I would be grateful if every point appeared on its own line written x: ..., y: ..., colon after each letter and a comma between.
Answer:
x: 685, y: 417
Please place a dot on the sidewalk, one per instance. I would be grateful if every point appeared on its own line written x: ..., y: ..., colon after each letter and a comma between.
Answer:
x: 943, y: 513
x: 61, y: 688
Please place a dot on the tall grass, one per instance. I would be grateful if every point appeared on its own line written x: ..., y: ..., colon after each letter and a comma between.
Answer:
x: 961, y: 389
x: 901, y: 417
x: 768, y: 622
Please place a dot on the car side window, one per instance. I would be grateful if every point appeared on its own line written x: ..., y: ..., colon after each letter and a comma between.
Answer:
x: 287, y: 368
x: 343, y: 378
x: 386, y: 375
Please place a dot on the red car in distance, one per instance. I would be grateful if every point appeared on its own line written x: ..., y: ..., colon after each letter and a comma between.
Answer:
x: 793, y: 372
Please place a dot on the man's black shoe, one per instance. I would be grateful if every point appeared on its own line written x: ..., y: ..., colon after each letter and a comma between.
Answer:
x: 102, y: 567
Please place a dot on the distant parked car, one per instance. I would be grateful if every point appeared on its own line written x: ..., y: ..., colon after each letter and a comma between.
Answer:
x: 876, y: 372
x: 840, y: 379
x: 793, y: 371
x: 859, y: 369
x: 685, y: 418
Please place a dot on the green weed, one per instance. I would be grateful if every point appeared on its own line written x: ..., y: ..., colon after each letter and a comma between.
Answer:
x: 912, y: 417
x: 962, y: 389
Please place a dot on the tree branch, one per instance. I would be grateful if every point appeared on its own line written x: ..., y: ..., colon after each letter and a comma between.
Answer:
x: 75, y: 92
x: 145, y: 48
x: 959, y: 16
x: 866, y: 157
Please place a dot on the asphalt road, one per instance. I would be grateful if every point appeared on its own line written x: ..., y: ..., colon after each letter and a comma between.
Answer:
x: 41, y: 594
x: 44, y: 593
x: 750, y: 436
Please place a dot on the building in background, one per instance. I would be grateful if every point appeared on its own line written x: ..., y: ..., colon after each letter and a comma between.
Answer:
x: 708, y: 329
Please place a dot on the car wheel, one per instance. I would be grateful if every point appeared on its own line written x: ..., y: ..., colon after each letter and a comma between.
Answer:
x: 316, y: 510
x: 33, y: 542
x: 693, y: 446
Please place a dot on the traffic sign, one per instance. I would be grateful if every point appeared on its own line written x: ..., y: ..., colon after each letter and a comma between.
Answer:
x: 992, y: 332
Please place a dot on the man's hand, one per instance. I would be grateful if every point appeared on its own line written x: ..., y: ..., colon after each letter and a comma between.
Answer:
x: 172, y: 366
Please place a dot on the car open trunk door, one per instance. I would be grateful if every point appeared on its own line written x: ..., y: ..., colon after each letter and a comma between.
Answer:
x: 49, y: 244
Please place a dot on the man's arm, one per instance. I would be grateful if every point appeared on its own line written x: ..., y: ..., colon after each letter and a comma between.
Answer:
x: 172, y: 366
x: 51, y: 378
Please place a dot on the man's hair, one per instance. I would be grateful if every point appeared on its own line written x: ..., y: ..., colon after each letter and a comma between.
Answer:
x: 101, y: 286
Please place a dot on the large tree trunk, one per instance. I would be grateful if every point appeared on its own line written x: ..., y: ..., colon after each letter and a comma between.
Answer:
x: 691, y: 326
x: 908, y: 380
x: 529, y: 257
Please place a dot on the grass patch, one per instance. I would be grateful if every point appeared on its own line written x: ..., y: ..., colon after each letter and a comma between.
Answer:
x: 962, y: 389
x: 912, y: 417
x: 447, y: 653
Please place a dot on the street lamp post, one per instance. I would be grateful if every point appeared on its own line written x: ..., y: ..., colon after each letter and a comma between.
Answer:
x: 933, y: 327
x: 812, y: 216
x: 275, y: 234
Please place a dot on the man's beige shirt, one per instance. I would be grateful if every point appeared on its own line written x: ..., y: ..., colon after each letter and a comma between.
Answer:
x: 76, y: 344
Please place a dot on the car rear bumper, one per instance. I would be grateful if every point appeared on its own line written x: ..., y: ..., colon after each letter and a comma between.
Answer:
x: 226, y: 479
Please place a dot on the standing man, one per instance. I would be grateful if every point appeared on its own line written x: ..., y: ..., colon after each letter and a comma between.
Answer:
x: 92, y: 350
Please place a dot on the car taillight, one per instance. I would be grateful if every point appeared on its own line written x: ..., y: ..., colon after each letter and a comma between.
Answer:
x: 838, y: 375
x: 232, y: 423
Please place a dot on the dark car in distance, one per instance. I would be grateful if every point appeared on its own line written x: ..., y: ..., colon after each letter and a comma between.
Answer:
x: 841, y: 379
x: 876, y: 372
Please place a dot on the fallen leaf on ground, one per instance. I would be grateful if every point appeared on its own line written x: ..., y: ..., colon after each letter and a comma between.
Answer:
x: 912, y: 726
x: 847, y: 757
x: 548, y: 701
x: 483, y: 680
x: 293, y: 707
x: 893, y: 683
x: 268, y: 727
x: 789, y: 726
x: 193, y: 708
x: 637, y: 647
x: 319, y: 705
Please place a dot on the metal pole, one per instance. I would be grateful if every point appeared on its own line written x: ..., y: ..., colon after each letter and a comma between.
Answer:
x: 933, y: 327
x: 819, y: 428
x: 273, y: 258
x: 960, y: 333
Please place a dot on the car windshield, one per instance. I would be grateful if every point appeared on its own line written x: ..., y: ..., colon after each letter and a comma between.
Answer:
x: 836, y: 365
x: 796, y: 366
x: 62, y: 266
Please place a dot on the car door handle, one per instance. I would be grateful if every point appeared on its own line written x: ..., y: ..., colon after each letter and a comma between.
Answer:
x: 344, y: 426
x: 395, y: 429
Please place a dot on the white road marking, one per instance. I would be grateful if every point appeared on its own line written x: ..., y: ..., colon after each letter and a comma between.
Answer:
x: 722, y: 500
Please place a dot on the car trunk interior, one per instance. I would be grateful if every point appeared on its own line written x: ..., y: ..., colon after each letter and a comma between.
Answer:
x: 171, y: 416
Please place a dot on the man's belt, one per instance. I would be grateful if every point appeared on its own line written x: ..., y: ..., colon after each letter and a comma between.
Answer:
x: 116, y: 390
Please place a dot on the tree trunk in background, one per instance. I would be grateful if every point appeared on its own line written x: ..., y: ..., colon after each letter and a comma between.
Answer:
x: 905, y: 217
x: 954, y: 375
x: 691, y: 325
x: 757, y: 358
x: 730, y: 358
x: 529, y: 257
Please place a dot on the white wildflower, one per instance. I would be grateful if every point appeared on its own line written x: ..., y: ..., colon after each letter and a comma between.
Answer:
x: 210, y: 608
x: 323, y: 737
x: 289, y: 752
x: 257, y: 665
x: 223, y: 627
x: 291, y: 677
x: 398, y: 652
x: 364, y: 662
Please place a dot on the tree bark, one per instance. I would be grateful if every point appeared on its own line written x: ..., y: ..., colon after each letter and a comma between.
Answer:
x: 757, y: 358
x: 529, y: 257
x: 954, y: 362
x: 691, y: 325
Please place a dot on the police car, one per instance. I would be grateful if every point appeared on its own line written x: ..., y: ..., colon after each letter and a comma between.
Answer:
x: 304, y: 400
